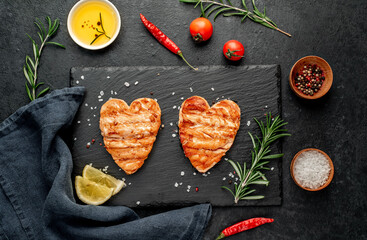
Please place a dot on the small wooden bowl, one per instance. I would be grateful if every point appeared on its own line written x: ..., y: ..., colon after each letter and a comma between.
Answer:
x: 325, y: 67
x: 331, y: 175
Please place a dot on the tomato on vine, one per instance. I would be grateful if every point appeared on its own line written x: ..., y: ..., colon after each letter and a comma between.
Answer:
x: 201, y: 29
x: 233, y: 50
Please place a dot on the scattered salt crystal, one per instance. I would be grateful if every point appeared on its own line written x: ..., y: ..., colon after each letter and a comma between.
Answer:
x: 173, y: 135
x: 236, y: 179
x: 266, y: 106
x: 222, y: 96
x: 127, y: 84
x: 182, y: 98
x: 78, y: 122
x: 208, y: 173
x: 136, y: 83
x: 100, y: 100
x: 101, y: 93
x: 173, y: 93
x: 77, y: 82
x: 191, y: 90
x: 176, y: 184
x: 194, y: 173
x: 115, y: 93
x: 311, y: 169
x: 74, y: 139
x: 182, y: 173
x: 272, y: 168
x: 155, y: 99
x: 138, y: 203
x: 86, y: 104
x: 108, y: 77
x: 178, y: 107
x: 89, y: 124
x: 204, y: 174
x: 212, y: 89
x: 95, y: 107
x: 248, y: 123
x: 88, y: 120
x: 82, y: 77
x: 226, y: 159
x: 188, y: 190
x: 180, y: 183
x: 162, y: 126
x: 123, y: 179
x: 129, y: 183
x: 188, y: 186
x: 111, y: 92
x: 171, y: 124
x: 224, y: 179
x: 99, y: 96
x: 174, y: 107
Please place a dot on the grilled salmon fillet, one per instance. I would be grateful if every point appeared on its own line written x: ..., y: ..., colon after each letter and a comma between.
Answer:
x: 129, y: 132
x: 207, y: 133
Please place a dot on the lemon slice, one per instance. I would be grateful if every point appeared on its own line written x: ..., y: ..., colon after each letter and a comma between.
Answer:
x: 101, y: 178
x: 90, y: 192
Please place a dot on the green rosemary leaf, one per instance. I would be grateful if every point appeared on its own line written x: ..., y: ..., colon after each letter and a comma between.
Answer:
x: 221, y: 11
x: 54, y: 28
x: 243, y: 19
x: 244, y: 4
x: 235, y: 167
x: 273, y: 156
x: 213, y: 10
x: 41, y: 31
x: 202, y: 10
x: 55, y: 43
x: 39, y: 84
x: 26, y: 75
x: 28, y: 92
x: 233, y: 14
x: 254, y: 6
x: 247, y: 193
x: 95, y: 38
x: 207, y: 7
x: 40, y: 36
x: 29, y: 60
x: 48, y: 19
x: 30, y: 38
x: 262, y: 163
x: 224, y: 187
x: 260, y: 182
x: 43, y: 92
x: 229, y: 1
x: 256, y: 197
x: 197, y: 4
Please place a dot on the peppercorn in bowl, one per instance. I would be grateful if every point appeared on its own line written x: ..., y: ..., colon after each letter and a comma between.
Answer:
x: 311, y: 77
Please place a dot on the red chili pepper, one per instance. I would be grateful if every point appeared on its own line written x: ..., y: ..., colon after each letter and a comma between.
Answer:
x: 243, y: 226
x: 163, y: 39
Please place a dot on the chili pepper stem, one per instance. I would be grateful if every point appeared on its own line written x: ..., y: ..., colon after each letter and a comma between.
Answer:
x: 179, y: 53
x: 221, y: 235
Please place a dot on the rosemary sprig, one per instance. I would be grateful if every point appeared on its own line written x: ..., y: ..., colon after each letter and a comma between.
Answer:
x: 229, y: 10
x: 271, y: 131
x: 103, y: 32
x: 31, y: 66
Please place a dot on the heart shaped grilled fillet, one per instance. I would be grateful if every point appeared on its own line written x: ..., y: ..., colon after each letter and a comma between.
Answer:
x: 207, y: 133
x: 129, y: 132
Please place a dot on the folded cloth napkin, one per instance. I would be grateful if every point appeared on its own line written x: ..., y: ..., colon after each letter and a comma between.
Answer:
x: 36, y: 192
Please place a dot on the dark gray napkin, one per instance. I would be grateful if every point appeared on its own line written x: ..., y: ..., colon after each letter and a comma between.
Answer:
x: 36, y: 192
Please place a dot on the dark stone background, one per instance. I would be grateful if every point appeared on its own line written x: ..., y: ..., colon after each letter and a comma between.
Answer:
x: 337, y: 123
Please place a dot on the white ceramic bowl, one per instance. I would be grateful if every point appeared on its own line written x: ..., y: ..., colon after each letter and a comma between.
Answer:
x: 88, y: 46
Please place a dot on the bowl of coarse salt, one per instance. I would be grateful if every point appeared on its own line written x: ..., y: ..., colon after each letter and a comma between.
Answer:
x: 312, y: 169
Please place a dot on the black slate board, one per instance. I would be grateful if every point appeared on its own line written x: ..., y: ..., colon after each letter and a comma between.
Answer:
x: 256, y: 89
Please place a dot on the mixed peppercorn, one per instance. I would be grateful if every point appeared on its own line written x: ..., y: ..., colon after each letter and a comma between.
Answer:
x: 309, y: 79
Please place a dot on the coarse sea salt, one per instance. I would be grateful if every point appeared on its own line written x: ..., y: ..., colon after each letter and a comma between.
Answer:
x: 311, y: 169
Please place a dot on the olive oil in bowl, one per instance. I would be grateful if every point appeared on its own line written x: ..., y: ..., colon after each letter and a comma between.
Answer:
x: 94, y: 24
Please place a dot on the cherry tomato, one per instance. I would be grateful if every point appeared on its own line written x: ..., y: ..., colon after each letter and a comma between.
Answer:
x: 201, y: 29
x: 233, y: 50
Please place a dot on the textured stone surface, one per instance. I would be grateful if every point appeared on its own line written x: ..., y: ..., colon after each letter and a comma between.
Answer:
x: 332, y: 29
x: 255, y: 90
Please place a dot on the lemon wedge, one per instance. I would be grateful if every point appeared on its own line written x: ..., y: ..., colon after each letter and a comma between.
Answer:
x: 91, y: 192
x: 103, y: 179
